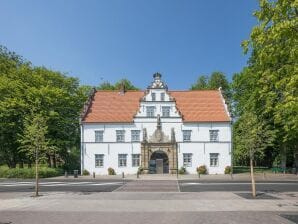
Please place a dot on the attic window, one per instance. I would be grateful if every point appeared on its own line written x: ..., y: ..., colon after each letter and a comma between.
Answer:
x: 162, y: 97
x: 153, y: 96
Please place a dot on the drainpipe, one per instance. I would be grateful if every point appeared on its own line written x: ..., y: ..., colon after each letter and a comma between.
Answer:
x: 82, y: 147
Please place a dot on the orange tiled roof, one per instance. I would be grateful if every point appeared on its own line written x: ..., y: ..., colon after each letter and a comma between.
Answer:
x: 195, y: 106
x: 200, y: 105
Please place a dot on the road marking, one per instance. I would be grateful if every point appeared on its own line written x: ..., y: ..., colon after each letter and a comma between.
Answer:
x: 278, y: 183
x: 56, y: 184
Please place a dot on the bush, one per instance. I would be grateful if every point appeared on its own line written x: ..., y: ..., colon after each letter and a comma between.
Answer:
x: 182, y: 170
x: 24, y: 173
x: 111, y: 171
x: 202, y: 169
x: 228, y: 170
x: 140, y: 170
x: 86, y: 173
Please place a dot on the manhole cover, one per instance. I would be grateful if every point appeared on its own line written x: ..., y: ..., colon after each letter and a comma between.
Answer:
x: 292, y: 218
x: 258, y: 196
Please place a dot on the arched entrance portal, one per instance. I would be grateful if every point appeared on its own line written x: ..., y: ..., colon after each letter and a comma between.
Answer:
x: 159, y: 162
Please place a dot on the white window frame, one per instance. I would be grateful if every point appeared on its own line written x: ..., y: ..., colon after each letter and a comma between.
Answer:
x: 186, y: 135
x: 122, y: 160
x: 150, y: 111
x: 214, y: 159
x: 98, y: 136
x: 99, y: 159
x: 166, y: 111
x: 135, y: 135
x: 214, y: 135
x: 187, y: 159
x: 120, y: 135
x: 135, y: 160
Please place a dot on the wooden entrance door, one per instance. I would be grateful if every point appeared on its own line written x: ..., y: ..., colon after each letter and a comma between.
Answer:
x: 159, y: 165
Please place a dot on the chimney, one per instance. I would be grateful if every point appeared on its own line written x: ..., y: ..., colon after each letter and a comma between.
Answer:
x: 122, y: 89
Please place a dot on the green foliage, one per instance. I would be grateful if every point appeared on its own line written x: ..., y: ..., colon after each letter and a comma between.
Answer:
x: 111, y: 171
x: 268, y: 86
x: 228, y: 170
x: 182, y: 170
x: 86, y: 173
x: 117, y: 86
x: 202, y: 169
x: 56, y: 97
x: 43, y: 172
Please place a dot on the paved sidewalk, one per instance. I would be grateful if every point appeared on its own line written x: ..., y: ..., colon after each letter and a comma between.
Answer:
x: 146, y: 208
x: 214, y: 177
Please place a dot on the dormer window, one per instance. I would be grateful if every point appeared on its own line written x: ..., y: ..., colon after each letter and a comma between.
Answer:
x: 150, y: 111
x: 162, y: 97
x: 153, y: 96
x: 166, y: 111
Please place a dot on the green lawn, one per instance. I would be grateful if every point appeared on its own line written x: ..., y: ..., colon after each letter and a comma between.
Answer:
x: 246, y: 169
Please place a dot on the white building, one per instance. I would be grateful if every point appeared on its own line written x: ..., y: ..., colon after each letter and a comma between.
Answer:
x: 156, y: 129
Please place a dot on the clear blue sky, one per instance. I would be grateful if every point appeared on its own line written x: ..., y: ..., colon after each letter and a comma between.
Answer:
x: 98, y: 40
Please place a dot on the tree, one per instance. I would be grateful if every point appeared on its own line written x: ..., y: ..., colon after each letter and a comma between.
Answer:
x: 118, y: 85
x: 202, y: 83
x: 34, y: 143
x: 274, y: 67
x: 58, y: 97
x: 253, y: 138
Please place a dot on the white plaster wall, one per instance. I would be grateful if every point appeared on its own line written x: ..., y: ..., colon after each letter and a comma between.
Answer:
x: 201, y: 156
x: 200, y: 138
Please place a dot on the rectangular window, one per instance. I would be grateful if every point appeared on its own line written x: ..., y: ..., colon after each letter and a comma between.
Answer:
x: 122, y: 160
x: 186, y: 135
x: 162, y: 97
x: 166, y: 111
x: 213, y: 135
x: 99, y: 160
x: 187, y: 159
x: 120, y: 135
x: 150, y: 111
x: 135, y: 135
x: 153, y: 96
x: 213, y: 159
x: 135, y: 160
x: 98, y: 136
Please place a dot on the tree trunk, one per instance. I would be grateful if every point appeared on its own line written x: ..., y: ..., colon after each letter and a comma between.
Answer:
x: 49, y: 161
x: 54, y: 161
x: 253, y: 183
x: 36, y: 173
x: 283, y: 158
x: 29, y: 165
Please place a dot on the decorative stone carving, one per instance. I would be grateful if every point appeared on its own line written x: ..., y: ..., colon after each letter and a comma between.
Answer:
x: 173, y: 138
x: 158, y: 135
x: 144, y: 135
x: 158, y: 83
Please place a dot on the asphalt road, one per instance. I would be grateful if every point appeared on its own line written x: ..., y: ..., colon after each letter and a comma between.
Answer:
x: 65, y: 185
x: 233, y: 186
x: 105, y: 185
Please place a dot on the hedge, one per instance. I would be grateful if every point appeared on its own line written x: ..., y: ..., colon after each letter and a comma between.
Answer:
x: 29, y: 172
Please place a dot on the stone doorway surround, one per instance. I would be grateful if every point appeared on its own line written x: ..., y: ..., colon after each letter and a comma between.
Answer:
x: 159, y: 142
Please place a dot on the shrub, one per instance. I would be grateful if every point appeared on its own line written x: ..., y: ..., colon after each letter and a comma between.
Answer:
x: 86, y: 173
x: 182, y: 170
x: 140, y: 170
x: 24, y: 173
x: 202, y: 169
x: 111, y: 171
x: 228, y: 170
